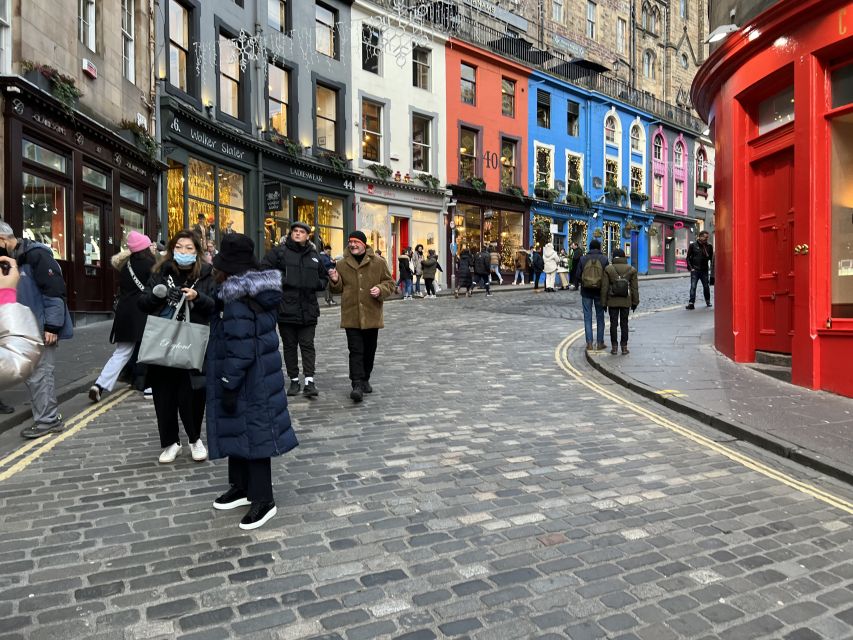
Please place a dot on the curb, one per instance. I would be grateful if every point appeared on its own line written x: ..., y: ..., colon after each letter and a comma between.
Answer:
x: 63, y: 394
x: 737, y: 430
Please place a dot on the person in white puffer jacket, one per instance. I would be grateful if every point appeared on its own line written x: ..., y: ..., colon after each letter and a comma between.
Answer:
x: 551, y: 258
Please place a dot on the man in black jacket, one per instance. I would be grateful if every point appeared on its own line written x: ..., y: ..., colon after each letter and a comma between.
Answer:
x: 302, y: 276
x: 538, y: 263
x: 482, y: 270
x: 700, y: 263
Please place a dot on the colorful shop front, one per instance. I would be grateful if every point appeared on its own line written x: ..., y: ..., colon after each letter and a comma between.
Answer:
x: 669, y: 237
x: 226, y: 182
x: 395, y: 215
x: 76, y: 186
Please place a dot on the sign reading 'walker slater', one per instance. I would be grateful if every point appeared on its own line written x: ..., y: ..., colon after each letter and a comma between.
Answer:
x: 206, y: 140
x: 272, y: 196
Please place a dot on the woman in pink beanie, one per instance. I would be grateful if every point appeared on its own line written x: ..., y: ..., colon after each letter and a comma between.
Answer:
x: 134, y: 265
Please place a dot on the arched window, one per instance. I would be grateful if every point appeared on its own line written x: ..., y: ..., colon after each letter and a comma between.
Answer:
x: 648, y: 64
x: 656, y: 21
x: 678, y: 154
x: 610, y: 129
x: 701, y: 166
x: 658, y: 147
x: 645, y: 16
x: 636, y: 138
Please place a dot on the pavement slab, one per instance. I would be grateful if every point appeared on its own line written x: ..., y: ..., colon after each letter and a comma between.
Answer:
x: 522, y: 506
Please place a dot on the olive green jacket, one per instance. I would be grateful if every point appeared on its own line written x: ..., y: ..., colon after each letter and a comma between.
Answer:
x: 620, y: 267
x: 359, y: 309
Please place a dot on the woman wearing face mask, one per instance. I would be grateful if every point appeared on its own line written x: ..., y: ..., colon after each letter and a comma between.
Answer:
x: 181, y: 272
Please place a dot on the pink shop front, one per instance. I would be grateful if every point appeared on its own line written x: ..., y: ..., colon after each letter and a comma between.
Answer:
x: 668, y: 242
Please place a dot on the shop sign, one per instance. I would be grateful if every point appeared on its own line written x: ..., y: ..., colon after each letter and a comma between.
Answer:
x: 206, y: 140
x: 272, y: 196
x: 50, y: 124
x: 496, y: 12
x: 567, y: 45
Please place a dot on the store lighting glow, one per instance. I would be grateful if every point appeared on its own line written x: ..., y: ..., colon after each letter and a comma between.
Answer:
x: 721, y: 33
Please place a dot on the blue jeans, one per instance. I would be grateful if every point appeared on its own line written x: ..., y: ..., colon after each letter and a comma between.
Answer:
x: 407, y: 287
x: 697, y: 276
x: 519, y: 276
x: 418, y: 282
x: 587, y: 319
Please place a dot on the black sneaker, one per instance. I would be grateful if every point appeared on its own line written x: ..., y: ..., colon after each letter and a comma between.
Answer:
x: 5, y: 408
x: 294, y: 388
x: 38, y: 430
x: 357, y: 393
x: 95, y: 392
x: 231, y: 499
x: 365, y: 387
x: 708, y: 303
x: 258, y: 515
x: 310, y: 391
x: 690, y: 307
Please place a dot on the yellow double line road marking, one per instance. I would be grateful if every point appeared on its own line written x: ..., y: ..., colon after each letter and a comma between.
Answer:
x: 561, y: 356
x: 48, y: 442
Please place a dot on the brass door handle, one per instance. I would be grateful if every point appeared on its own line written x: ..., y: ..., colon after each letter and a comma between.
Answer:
x: 801, y: 249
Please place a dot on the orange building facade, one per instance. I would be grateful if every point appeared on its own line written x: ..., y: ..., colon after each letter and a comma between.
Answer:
x: 487, y: 107
x: 778, y: 96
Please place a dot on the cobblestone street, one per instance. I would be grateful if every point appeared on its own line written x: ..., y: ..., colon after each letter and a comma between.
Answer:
x: 481, y: 492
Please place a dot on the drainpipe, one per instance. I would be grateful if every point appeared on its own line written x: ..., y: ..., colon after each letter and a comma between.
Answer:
x: 632, y: 76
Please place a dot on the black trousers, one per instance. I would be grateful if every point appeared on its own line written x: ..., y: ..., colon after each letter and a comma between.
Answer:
x: 254, y: 477
x: 362, y: 352
x: 536, y: 277
x: 296, y: 338
x: 429, y: 288
x: 174, y: 396
x: 483, y: 280
x: 618, y: 316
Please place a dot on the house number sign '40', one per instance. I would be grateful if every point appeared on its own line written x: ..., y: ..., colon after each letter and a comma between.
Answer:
x: 490, y: 158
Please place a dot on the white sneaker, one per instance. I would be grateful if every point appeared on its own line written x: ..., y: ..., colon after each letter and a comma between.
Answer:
x: 148, y: 393
x: 170, y: 453
x: 199, y: 453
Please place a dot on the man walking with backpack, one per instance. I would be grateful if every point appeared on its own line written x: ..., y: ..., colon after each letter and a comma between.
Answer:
x: 619, y: 291
x: 482, y: 269
x: 592, y: 276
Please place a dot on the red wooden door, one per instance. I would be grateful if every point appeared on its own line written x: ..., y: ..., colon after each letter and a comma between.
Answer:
x: 773, y: 180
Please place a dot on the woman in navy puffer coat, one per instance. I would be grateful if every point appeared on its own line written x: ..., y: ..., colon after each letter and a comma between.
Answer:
x: 247, y: 417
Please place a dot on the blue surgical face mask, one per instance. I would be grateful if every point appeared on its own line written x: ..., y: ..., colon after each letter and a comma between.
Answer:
x: 184, y: 259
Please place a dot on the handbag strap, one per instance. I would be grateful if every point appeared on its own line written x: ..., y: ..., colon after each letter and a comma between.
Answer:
x: 183, y: 301
x: 136, y: 281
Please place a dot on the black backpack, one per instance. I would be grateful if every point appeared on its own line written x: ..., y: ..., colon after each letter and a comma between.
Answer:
x: 619, y: 287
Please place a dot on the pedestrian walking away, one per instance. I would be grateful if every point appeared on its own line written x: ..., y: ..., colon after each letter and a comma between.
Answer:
x: 575, y: 265
x: 181, y: 274
x: 620, y: 291
x: 538, y: 267
x: 21, y: 342
x: 328, y: 263
x: 482, y: 273
x: 429, y: 266
x: 417, y: 257
x: 591, y: 276
x: 41, y: 288
x: 303, y: 276
x: 247, y: 417
x: 495, y: 264
x: 364, y: 282
x: 464, y: 268
x: 700, y: 263
x: 521, y: 265
x: 550, y: 262
x: 404, y: 268
x: 134, y: 265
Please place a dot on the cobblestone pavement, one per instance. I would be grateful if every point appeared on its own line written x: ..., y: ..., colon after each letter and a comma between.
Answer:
x: 479, y: 493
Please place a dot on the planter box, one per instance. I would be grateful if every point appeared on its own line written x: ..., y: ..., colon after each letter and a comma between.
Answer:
x: 38, y: 79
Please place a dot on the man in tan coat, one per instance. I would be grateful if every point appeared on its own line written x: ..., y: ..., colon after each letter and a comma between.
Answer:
x: 364, y: 282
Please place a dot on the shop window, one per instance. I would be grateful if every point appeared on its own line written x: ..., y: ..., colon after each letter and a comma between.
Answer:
x: 325, y: 122
x: 277, y: 15
x: 86, y: 23
x: 128, y: 54
x: 468, y: 227
x: 682, y: 242
x: 130, y: 221
x: 841, y: 84
x: 421, y: 143
x: 841, y: 266
x: 467, y: 154
x: 544, y: 165
x: 611, y: 171
x: 96, y: 178
x: 511, y: 238
x: 278, y: 99
x: 508, y: 153
x: 230, y: 78
x: 776, y: 111
x: 325, y: 22
x: 421, y: 67
x: 574, y: 169
x: 179, y: 45
x: 424, y: 230
x: 657, y: 192
x: 468, y: 84
x: 573, y: 118
x: 45, y: 157
x: 91, y: 234
x: 132, y: 193
x: 656, y: 243
x: 371, y: 51
x: 371, y: 131
x: 610, y: 130
x: 543, y: 109
x: 175, y: 197
x: 508, y: 97
x: 373, y: 219
x: 43, y: 205
x: 330, y: 221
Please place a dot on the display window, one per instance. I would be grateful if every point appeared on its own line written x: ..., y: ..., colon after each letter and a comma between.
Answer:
x: 682, y: 242
x: 656, y: 243
x: 330, y: 222
x: 44, y: 205
x: 374, y: 221
x: 478, y: 226
x: 468, y: 229
x: 841, y: 190
x: 424, y: 230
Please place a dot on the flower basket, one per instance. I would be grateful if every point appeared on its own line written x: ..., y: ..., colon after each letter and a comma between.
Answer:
x: 429, y: 180
x: 544, y: 192
x: 140, y: 137
x: 518, y: 192
x: 478, y: 183
x: 338, y: 163
x: 639, y: 196
x: 62, y: 87
x: 380, y: 171
x: 291, y: 147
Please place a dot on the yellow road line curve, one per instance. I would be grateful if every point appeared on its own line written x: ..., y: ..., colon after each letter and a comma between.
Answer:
x: 561, y: 357
x: 47, y: 443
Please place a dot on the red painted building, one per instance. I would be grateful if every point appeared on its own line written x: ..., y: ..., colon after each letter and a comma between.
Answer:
x: 778, y: 96
x: 486, y: 141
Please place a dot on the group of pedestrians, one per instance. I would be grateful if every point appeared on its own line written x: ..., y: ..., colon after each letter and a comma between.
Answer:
x: 413, y: 267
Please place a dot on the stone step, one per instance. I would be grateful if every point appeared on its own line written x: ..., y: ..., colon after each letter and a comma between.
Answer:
x: 776, y: 359
x: 776, y: 371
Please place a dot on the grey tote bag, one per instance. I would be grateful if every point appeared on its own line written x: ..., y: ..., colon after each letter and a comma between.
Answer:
x: 174, y: 343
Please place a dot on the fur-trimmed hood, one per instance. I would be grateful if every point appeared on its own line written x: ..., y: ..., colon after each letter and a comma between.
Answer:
x: 252, y: 284
x: 118, y: 260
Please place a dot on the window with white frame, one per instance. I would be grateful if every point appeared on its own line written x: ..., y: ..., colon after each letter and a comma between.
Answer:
x: 591, y: 9
x: 636, y: 138
x: 371, y: 131
x: 544, y: 165
x: 127, y: 52
x: 278, y: 100
x: 557, y: 11
x: 421, y: 142
x: 179, y: 45
x: 371, y: 37
x: 326, y: 120
x: 574, y: 169
x: 610, y: 129
x: 701, y: 166
x: 508, y: 97
x: 421, y: 67
x: 655, y: 21
x: 86, y: 22
x: 649, y: 64
x: 508, y: 170
x: 230, y: 77
x: 678, y: 154
x: 325, y: 20
x: 678, y: 195
x: 467, y: 154
x: 657, y: 193
x: 277, y: 15
x: 611, y: 172
x: 5, y: 37
x: 637, y: 179
x: 468, y: 85
x: 682, y: 8
x: 621, y: 30
x: 657, y: 148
